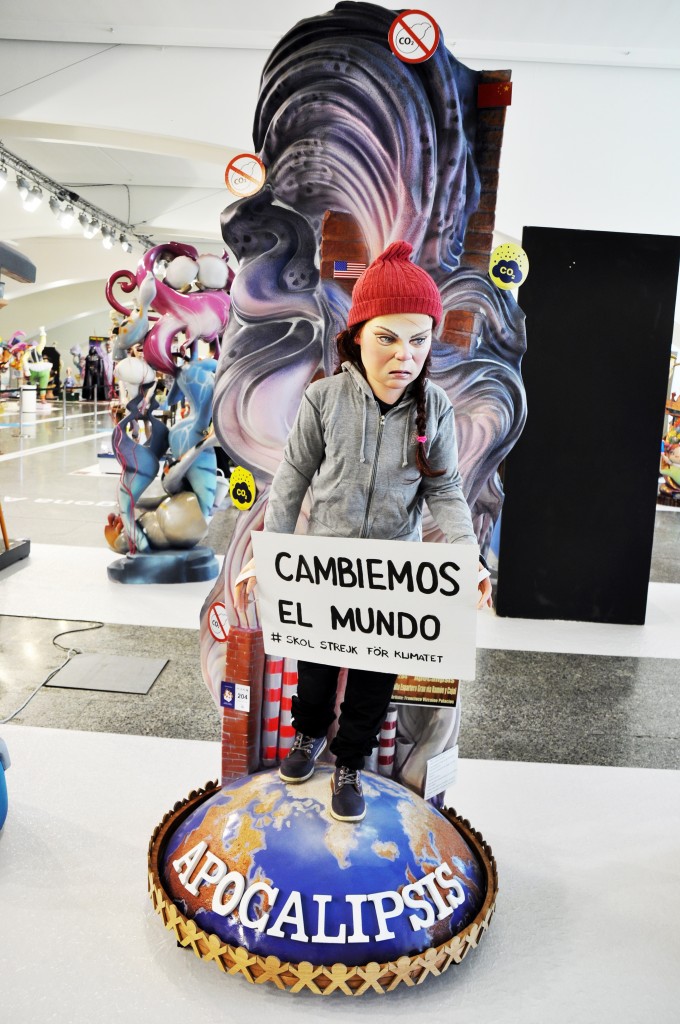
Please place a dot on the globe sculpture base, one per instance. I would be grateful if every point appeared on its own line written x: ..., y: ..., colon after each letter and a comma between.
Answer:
x: 258, y: 878
x: 196, y: 565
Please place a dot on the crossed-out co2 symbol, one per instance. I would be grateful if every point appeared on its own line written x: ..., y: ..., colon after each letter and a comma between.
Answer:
x: 413, y: 36
x: 245, y: 175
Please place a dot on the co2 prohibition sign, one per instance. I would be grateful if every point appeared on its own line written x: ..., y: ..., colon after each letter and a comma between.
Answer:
x: 245, y: 175
x: 217, y: 622
x: 413, y: 36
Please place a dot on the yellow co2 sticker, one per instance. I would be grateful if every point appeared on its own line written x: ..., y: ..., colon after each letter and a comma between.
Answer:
x: 508, y: 266
x: 242, y: 490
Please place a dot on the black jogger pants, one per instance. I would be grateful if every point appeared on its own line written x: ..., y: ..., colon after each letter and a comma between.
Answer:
x: 362, y: 712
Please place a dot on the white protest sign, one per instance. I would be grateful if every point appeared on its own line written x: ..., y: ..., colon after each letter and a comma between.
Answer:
x: 384, y: 605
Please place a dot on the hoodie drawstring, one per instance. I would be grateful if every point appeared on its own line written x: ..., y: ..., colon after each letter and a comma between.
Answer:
x: 362, y: 453
x: 407, y: 433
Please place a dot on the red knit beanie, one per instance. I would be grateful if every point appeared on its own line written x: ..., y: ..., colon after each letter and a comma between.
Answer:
x: 393, y: 284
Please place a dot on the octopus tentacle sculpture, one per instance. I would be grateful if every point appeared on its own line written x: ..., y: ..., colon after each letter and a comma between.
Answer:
x: 342, y: 125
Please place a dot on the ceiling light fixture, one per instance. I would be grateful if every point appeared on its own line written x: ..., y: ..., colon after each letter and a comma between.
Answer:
x: 66, y: 205
x: 125, y: 244
x: 33, y: 199
x: 88, y: 224
x: 67, y: 216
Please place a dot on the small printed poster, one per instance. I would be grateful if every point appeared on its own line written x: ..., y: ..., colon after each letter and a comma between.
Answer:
x: 441, y: 772
x: 236, y: 696
x: 245, y: 175
x: 437, y: 693
x: 413, y: 36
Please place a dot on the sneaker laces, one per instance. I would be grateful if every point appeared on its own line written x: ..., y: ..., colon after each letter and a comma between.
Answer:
x: 349, y: 777
x: 303, y: 743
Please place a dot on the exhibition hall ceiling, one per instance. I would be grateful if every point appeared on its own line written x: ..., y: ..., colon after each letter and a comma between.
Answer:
x: 138, y: 106
x: 582, y: 24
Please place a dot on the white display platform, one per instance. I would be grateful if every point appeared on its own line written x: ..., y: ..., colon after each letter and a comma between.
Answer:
x: 658, y: 638
x: 78, y: 576
x: 585, y: 929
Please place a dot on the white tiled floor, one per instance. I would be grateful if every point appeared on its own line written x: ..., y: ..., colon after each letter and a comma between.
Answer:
x: 56, y: 576
x: 585, y: 931
x: 38, y: 450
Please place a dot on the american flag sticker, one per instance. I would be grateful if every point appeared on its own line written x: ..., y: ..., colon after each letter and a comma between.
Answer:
x: 347, y: 268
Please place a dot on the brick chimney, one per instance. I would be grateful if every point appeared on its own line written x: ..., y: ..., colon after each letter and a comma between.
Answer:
x: 241, y: 728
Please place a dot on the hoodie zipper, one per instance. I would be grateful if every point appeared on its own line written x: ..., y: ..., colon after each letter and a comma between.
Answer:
x: 371, y: 486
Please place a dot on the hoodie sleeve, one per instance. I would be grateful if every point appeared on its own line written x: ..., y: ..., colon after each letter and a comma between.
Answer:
x: 302, y: 456
x: 444, y: 494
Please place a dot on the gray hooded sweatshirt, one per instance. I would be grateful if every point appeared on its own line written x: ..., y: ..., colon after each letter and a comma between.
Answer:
x: 360, y: 465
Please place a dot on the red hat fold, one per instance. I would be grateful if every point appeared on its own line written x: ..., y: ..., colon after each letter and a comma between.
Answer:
x: 393, y: 284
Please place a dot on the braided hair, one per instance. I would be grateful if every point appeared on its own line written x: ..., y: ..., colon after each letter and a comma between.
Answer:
x: 350, y: 350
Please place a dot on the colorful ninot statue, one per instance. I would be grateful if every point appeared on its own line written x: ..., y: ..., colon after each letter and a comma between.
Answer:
x: 182, y: 299
x: 36, y: 368
x: 670, y: 467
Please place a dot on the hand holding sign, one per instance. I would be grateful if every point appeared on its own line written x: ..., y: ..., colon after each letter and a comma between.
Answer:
x: 244, y: 585
x: 484, y: 599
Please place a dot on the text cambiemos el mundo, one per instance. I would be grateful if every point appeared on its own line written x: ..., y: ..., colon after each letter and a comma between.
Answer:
x: 367, y: 603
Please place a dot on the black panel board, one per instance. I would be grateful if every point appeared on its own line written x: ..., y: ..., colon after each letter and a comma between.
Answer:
x: 580, y: 485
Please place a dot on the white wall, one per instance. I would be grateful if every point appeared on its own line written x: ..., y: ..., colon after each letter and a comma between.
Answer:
x: 591, y: 147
